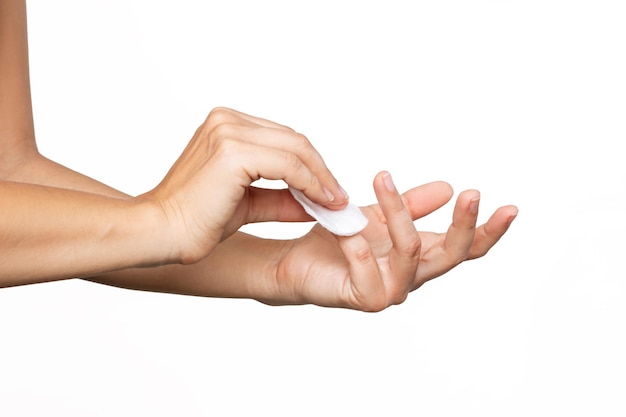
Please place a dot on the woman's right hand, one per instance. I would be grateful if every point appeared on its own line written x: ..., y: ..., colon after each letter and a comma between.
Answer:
x: 207, y: 194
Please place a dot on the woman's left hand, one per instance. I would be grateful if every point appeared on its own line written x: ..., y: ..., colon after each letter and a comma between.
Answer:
x: 381, y: 265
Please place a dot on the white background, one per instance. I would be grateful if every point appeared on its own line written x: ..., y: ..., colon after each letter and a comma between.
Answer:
x: 523, y: 100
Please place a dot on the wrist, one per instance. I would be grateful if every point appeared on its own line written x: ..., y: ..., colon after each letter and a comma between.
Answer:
x: 245, y: 266
x: 278, y: 286
x: 146, y: 219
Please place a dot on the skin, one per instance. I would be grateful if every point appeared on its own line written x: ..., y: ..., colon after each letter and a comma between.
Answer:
x: 178, y: 238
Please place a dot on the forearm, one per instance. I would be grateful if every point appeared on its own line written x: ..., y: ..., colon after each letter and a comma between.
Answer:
x: 37, y: 169
x: 242, y: 266
x: 49, y: 233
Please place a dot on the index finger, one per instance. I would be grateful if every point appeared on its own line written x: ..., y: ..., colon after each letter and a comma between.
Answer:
x: 296, y: 144
x: 406, y: 244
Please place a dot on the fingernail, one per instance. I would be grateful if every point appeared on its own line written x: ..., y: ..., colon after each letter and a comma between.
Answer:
x: 388, y: 181
x: 473, y: 207
x: 345, y: 194
x: 511, y: 218
x: 330, y: 195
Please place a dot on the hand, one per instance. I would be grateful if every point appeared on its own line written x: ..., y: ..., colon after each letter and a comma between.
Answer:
x: 380, y: 266
x: 207, y: 194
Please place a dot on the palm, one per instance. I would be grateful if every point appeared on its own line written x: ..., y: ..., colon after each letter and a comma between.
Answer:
x: 316, y: 267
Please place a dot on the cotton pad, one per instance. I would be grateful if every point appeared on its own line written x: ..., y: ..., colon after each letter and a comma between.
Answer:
x: 345, y: 222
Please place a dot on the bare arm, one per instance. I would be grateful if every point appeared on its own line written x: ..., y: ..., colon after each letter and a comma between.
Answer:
x: 16, y: 120
x: 369, y: 271
x: 49, y: 233
x: 56, y: 223
x: 25, y: 207
x: 238, y: 267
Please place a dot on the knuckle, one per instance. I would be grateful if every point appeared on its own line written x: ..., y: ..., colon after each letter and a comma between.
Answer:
x: 412, y: 249
x: 292, y: 162
x: 457, y: 257
x: 314, y: 182
x: 379, y: 305
x: 375, y: 304
x: 302, y: 142
x: 224, y: 149
x: 302, y: 146
x: 222, y: 131
x: 399, y: 297
x: 363, y: 255
x: 397, y: 293
x: 218, y: 116
x: 398, y: 208
x: 478, y: 253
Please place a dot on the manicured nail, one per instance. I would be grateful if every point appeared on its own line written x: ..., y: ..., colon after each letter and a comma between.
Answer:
x: 388, y: 182
x: 511, y: 218
x: 345, y: 194
x: 330, y: 195
x: 473, y: 207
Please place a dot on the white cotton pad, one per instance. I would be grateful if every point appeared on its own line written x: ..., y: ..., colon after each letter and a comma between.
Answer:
x: 345, y: 222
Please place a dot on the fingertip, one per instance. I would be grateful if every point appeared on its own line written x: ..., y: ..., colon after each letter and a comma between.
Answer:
x: 329, y: 195
x: 388, y: 182
x: 468, y: 202
x: 445, y: 187
x: 337, y: 206
x: 474, y: 202
x: 513, y: 211
x: 383, y: 182
x: 470, y: 194
x: 343, y: 193
x: 379, y: 176
x: 506, y: 212
x: 389, y: 200
x: 337, y: 200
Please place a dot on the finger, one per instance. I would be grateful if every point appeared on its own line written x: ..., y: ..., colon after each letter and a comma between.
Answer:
x: 490, y: 233
x: 272, y: 164
x: 221, y: 115
x: 334, y: 196
x: 366, y: 291
x: 260, y: 121
x: 406, y: 244
x: 460, y: 234
x: 274, y: 205
x: 423, y: 200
